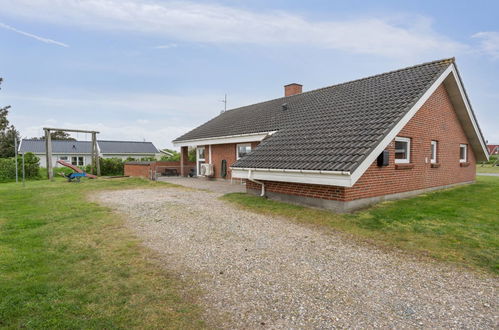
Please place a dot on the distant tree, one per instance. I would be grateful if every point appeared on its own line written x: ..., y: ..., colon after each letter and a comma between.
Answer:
x: 192, y: 155
x: 175, y: 156
x: 4, y: 123
x: 57, y: 135
x: 7, y: 143
x: 61, y: 135
x: 7, y: 133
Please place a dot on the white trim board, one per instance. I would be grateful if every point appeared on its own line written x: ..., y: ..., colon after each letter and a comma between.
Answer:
x: 464, y: 98
x: 240, y: 138
x: 311, y: 177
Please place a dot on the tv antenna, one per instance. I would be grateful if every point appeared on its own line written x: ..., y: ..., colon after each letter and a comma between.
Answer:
x: 225, y: 103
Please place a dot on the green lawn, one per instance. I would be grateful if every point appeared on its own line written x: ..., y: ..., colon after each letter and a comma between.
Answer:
x: 459, y: 225
x: 68, y: 263
x: 487, y: 169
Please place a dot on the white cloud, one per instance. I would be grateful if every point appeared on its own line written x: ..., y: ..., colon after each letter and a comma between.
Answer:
x: 218, y: 24
x: 159, y: 118
x: 34, y: 36
x: 166, y: 46
x: 489, y: 43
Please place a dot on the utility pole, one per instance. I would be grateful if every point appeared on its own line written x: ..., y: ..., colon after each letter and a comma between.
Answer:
x: 15, y: 155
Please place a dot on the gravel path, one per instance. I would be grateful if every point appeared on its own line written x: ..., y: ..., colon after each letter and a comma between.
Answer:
x: 256, y: 271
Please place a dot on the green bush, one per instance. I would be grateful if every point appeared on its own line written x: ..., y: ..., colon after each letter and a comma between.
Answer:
x: 8, y: 167
x: 111, y: 166
x: 493, y: 159
x: 108, y: 166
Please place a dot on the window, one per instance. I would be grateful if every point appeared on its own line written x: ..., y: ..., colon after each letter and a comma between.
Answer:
x: 463, y: 153
x: 63, y: 158
x: 402, y: 150
x: 242, y: 150
x: 201, y: 153
x: 434, y: 152
x: 77, y: 161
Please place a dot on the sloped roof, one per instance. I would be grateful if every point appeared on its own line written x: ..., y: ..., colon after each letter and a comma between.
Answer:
x: 328, y: 129
x: 126, y: 147
x: 85, y: 147
x: 58, y: 146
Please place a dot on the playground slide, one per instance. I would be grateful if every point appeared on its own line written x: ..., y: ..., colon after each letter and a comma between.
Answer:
x: 76, y: 169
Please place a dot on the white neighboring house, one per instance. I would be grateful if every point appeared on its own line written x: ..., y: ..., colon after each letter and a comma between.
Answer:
x: 79, y: 153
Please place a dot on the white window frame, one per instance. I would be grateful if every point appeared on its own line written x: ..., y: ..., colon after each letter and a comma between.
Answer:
x: 406, y: 160
x: 434, y: 150
x: 64, y: 158
x: 465, y: 159
x: 200, y: 160
x: 77, y: 160
x: 242, y: 145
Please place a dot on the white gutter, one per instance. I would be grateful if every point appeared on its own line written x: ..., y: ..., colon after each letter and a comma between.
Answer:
x: 262, y: 194
x: 290, y: 170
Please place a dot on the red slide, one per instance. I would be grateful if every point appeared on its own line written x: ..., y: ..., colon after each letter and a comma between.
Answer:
x: 76, y: 169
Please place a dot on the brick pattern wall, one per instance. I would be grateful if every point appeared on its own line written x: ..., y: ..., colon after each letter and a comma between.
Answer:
x: 220, y: 152
x: 139, y: 170
x: 301, y: 189
x: 144, y: 170
x: 436, y: 120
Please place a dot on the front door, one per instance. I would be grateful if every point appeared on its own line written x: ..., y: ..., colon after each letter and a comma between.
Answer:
x: 200, y: 159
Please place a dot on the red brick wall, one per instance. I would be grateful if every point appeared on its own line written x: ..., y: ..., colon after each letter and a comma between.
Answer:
x: 140, y: 170
x: 144, y: 170
x: 436, y: 120
x: 220, y: 152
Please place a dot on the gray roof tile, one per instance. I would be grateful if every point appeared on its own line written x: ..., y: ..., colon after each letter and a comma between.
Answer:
x: 126, y: 147
x: 332, y: 128
x: 58, y: 146
x: 106, y: 147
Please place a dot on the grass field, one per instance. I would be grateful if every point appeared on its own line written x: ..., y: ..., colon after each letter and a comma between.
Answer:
x: 487, y: 169
x: 459, y: 225
x: 67, y: 263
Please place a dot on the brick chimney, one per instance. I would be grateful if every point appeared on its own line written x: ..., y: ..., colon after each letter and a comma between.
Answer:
x: 292, y: 89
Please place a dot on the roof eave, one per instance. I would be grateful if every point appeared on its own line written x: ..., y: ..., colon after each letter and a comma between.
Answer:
x: 330, y: 178
x: 238, y: 138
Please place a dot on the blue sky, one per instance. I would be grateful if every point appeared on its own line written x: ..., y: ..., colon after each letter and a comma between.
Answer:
x: 137, y: 69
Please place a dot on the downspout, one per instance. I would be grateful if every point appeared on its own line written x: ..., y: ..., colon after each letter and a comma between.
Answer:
x: 262, y: 194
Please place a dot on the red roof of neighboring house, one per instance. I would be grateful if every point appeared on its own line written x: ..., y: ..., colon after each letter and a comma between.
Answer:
x: 493, y: 149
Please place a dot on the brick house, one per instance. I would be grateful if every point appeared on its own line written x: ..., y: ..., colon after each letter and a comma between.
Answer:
x: 349, y: 145
x: 493, y: 149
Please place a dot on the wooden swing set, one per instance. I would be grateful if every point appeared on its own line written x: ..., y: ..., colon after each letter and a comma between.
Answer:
x: 95, y: 167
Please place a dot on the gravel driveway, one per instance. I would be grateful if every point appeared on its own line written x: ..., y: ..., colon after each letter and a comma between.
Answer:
x: 257, y: 271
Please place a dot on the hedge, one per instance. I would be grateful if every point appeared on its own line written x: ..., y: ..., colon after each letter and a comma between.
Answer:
x: 8, y: 167
x: 109, y: 166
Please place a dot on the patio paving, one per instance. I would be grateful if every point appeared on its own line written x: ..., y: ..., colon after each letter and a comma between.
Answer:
x: 217, y: 186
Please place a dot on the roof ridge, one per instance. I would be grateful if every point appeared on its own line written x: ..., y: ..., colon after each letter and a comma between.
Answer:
x: 54, y: 140
x: 124, y: 141
x: 87, y: 141
x: 450, y: 60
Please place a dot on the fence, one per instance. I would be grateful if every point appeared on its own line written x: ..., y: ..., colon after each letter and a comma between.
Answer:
x: 154, y: 169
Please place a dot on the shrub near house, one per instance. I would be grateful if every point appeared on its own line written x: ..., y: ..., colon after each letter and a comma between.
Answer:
x: 8, y: 167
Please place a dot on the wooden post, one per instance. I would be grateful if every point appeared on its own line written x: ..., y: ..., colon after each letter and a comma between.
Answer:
x: 95, y: 153
x: 48, y: 141
x: 92, y: 166
x: 184, y: 158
